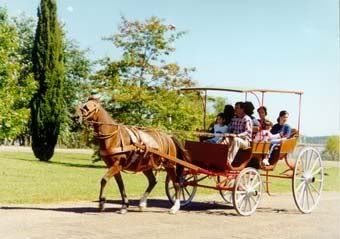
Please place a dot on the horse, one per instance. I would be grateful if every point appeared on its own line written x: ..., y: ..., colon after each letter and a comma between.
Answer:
x: 132, y: 149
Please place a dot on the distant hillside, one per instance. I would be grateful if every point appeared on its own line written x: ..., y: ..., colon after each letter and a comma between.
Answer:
x: 313, y: 140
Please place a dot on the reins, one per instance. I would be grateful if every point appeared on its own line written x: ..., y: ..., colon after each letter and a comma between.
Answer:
x: 168, y: 132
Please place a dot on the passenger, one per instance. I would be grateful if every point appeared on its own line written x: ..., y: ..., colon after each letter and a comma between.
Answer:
x: 281, y: 130
x: 262, y: 111
x: 219, y: 128
x: 267, y: 136
x: 281, y: 127
x: 249, y: 110
x: 240, y: 132
x: 229, y: 113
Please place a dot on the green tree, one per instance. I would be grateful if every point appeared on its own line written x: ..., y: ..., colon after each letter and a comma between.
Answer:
x: 218, y: 104
x: 16, y: 88
x: 142, y: 87
x: 332, y: 150
x: 47, y: 106
x: 77, y: 67
x: 77, y: 71
x: 25, y: 29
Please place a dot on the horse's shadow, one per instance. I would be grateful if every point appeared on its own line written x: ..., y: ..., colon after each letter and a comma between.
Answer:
x: 67, y: 164
x: 154, y: 206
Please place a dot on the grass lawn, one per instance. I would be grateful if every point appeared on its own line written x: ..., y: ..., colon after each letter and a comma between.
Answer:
x: 73, y: 177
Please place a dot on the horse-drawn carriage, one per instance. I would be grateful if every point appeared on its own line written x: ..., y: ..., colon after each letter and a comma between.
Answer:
x: 240, y: 183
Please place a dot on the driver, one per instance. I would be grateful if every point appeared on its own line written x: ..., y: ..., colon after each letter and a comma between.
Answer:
x: 240, y: 132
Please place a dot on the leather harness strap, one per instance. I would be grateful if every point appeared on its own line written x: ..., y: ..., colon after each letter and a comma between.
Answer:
x: 166, y: 156
x: 106, y: 136
x: 134, y: 138
x: 118, y: 150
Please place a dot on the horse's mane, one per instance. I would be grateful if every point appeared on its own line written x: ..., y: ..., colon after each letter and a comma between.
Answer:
x: 105, y: 113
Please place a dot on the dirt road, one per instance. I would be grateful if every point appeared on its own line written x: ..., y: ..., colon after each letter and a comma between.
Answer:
x: 207, y: 217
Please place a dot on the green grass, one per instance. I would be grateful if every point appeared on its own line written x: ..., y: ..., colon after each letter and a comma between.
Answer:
x: 73, y: 177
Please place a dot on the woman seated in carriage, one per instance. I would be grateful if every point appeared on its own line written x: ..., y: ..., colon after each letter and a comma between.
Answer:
x: 281, y: 130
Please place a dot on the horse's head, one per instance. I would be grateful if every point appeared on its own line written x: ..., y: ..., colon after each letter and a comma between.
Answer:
x: 87, y: 111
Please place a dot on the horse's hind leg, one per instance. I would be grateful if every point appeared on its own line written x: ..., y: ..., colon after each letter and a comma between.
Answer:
x: 172, y: 174
x: 152, y: 183
x: 125, y: 201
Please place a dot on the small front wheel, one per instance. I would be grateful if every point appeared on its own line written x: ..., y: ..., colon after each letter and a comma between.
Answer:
x: 187, y: 192
x: 247, y: 192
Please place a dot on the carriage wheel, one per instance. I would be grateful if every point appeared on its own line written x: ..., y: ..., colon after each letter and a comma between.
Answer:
x: 307, y: 180
x: 187, y: 192
x: 226, y: 194
x: 247, y: 191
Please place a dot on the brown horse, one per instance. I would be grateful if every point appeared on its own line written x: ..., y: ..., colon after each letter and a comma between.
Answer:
x: 132, y: 149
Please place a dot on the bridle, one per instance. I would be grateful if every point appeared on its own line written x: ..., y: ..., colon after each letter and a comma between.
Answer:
x: 93, y: 113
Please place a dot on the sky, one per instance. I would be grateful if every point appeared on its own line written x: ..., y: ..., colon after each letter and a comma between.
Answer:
x: 291, y: 45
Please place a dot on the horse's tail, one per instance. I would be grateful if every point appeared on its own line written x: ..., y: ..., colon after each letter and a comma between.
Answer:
x: 182, y: 153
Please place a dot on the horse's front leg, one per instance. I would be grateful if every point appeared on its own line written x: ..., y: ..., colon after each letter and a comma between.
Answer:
x: 152, y: 183
x: 108, y: 175
x: 172, y: 174
x: 125, y: 201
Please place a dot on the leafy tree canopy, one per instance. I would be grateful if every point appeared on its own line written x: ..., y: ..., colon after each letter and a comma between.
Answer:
x: 142, y: 87
x: 16, y: 84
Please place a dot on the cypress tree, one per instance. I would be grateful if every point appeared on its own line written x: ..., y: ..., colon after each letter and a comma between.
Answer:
x: 47, y: 105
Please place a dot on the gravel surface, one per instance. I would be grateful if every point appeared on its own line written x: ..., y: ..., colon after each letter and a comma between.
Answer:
x: 206, y: 217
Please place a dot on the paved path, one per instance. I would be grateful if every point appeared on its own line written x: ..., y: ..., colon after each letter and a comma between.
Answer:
x: 276, y: 218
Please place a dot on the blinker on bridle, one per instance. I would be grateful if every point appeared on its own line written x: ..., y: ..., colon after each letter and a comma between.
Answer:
x: 90, y: 113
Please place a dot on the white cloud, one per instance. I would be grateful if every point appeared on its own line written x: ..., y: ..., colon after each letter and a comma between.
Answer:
x: 70, y: 9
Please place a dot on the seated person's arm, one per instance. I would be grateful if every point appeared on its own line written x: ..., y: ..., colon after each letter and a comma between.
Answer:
x: 247, y: 132
x: 274, y: 136
x: 286, y: 132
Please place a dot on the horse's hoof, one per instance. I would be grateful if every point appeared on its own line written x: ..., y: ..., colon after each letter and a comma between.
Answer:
x: 175, y: 208
x: 173, y: 211
x: 123, y: 211
x: 142, y: 206
x: 101, y: 206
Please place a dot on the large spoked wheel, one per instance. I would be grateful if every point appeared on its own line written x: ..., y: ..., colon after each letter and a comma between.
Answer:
x: 226, y: 194
x: 307, y: 180
x: 187, y: 192
x: 247, y: 192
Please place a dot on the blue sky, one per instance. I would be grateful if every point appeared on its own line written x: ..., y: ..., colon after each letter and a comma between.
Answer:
x: 291, y: 44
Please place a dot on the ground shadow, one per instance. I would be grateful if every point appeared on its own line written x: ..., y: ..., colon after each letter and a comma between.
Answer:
x: 154, y: 206
x: 76, y: 165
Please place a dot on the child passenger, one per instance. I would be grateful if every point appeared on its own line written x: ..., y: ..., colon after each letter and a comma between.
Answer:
x: 219, y: 128
x: 266, y: 135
